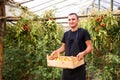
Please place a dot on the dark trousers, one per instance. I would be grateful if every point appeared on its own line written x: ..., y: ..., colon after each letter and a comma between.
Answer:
x: 78, y: 73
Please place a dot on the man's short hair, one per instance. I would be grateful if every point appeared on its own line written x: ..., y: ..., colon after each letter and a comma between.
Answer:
x: 74, y: 14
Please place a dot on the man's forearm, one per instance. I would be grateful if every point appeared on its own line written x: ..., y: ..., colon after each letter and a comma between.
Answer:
x: 87, y: 50
x: 61, y: 49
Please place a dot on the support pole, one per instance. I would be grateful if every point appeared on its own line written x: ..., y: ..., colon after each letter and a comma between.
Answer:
x: 2, y: 24
x: 98, y: 5
x: 111, y: 5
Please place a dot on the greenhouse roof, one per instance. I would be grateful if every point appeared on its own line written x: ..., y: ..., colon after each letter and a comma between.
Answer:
x: 64, y: 7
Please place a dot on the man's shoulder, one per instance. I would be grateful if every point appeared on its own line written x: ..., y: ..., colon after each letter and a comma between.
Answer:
x: 66, y: 32
x: 82, y: 30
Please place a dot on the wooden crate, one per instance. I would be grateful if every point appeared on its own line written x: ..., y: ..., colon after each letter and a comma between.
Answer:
x: 70, y: 64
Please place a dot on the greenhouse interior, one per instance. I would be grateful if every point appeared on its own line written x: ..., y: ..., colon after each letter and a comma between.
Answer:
x: 32, y: 30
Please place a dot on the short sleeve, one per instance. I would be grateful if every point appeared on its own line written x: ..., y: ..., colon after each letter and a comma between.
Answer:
x: 63, y: 39
x: 86, y: 35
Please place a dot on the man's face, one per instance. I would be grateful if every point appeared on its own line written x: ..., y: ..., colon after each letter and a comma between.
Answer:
x: 73, y: 21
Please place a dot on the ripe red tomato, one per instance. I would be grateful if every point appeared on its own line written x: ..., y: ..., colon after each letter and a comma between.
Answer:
x: 26, y: 28
x: 102, y: 24
x: 98, y: 19
x: 102, y: 17
x: 96, y: 29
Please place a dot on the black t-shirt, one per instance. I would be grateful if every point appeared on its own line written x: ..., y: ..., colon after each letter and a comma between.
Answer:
x: 75, y: 41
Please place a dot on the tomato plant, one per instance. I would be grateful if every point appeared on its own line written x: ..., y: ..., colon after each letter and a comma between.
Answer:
x: 26, y: 45
x: 104, y: 63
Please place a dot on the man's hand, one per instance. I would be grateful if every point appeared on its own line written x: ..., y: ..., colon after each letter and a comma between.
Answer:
x: 80, y: 55
x: 86, y: 51
x: 54, y: 55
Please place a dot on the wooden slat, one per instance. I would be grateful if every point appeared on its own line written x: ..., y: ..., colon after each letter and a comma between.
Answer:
x: 12, y: 18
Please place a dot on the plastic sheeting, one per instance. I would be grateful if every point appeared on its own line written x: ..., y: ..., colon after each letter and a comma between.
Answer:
x: 64, y: 7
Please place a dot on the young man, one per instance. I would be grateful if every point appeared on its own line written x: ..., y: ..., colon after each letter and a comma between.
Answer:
x: 75, y: 42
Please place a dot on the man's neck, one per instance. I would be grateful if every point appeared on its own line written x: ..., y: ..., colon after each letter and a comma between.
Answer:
x: 74, y: 29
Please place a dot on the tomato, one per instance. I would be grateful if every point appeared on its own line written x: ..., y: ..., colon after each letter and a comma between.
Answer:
x: 98, y: 19
x: 102, y: 24
x: 102, y: 17
x: 26, y: 28
x: 96, y: 29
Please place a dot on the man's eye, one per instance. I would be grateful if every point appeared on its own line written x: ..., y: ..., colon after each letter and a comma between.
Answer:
x: 69, y: 19
x: 73, y: 19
